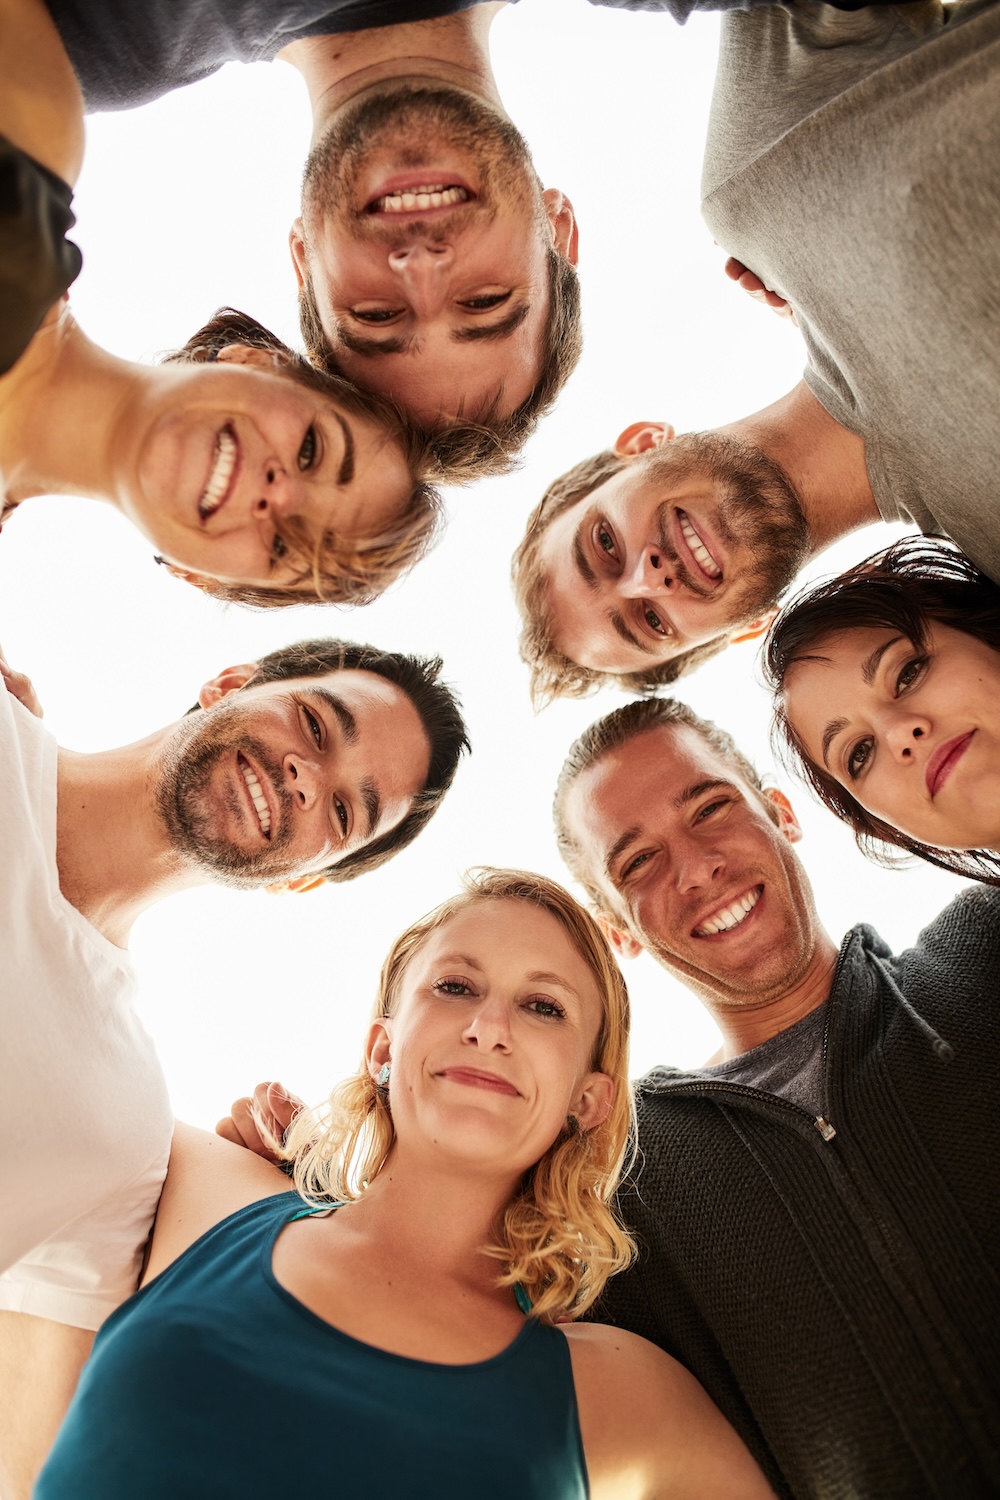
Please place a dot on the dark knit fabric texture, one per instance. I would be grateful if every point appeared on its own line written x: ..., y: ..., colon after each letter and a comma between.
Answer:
x: 840, y: 1299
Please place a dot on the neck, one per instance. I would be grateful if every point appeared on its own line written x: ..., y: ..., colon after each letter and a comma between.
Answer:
x: 824, y: 462
x: 744, y: 1025
x: 452, y: 49
x: 112, y: 848
x: 63, y: 412
x: 436, y: 1215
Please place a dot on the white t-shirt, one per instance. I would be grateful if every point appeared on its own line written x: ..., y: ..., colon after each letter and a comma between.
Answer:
x: 85, y: 1122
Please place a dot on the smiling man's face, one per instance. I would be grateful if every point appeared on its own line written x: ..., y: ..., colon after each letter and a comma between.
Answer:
x: 693, y: 538
x: 692, y: 863
x: 278, y: 782
x: 425, y: 237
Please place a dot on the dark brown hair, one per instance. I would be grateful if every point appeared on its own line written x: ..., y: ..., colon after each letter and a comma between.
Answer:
x: 553, y: 674
x: 343, y: 569
x: 486, y: 444
x: 905, y: 588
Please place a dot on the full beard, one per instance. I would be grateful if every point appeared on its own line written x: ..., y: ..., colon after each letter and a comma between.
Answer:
x: 408, y: 116
x: 191, y: 807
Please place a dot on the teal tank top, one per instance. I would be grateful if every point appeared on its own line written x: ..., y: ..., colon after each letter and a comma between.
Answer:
x: 215, y: 1383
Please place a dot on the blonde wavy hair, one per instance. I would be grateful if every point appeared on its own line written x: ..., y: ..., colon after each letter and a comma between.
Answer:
x: 558, y: 1237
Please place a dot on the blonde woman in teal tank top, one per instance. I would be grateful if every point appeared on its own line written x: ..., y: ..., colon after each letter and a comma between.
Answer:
x: 405, y: 1322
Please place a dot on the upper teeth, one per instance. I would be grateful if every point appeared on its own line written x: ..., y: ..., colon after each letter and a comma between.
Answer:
x: 732, y: 915
x: 702, y: 555
x: 257, y: 798
x: 433, y: 196
x: 222, y: 472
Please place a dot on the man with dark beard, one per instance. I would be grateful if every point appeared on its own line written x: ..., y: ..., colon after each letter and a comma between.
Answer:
x: 317, y: 762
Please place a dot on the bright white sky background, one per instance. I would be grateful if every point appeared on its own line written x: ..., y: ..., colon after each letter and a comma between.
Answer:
x: 186, y: 205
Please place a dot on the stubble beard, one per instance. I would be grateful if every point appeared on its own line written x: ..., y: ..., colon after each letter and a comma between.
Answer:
x: 189, y: 805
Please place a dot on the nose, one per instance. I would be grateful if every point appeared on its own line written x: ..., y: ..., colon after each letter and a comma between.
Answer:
x: 423, y: 269
x: 488, y: 1028
x: 649, y: 576
x: 904, y: 734
x: 302, y: 780
x: 696, y: 868
x: 282, y: 494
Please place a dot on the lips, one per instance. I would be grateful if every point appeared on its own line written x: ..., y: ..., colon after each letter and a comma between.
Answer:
x: 221, y: 476
x: 476, y: 1078
x: 944, y: 760
x: 733, y: 914
x: 255, y: 792
x: 422, y: 199
x: 698, y: 550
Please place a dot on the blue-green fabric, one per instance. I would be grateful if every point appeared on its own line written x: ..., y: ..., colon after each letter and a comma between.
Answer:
x: 214, y: 1383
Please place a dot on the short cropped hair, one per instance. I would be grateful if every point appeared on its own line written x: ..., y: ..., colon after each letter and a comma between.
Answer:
x: 419, y: 678
x: 553, y: 674
x: 558, y: 1237
x: 614, y: 731
x: 485, y: 444
x: 343, y: 569
x: 906, y: 588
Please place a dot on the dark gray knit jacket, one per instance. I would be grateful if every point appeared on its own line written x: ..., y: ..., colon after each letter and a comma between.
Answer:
x: 838, y: 1294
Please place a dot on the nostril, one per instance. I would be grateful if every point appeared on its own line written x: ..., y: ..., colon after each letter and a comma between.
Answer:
x: 655, y: 561
x: 917, y: 733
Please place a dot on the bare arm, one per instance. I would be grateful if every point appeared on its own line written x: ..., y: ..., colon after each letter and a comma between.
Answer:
x: 649, y: 1430
x: 207, y: 1180
x: 40, y: 1363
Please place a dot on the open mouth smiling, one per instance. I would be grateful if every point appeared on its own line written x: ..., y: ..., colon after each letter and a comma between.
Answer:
x: 730, y: 916
x: 423, y: 198
x: 697, y: 549
x: 222, y: 474
x: 256, y: 794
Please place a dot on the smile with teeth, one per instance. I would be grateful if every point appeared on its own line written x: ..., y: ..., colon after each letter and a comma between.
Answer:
x: 257, y: 798
x: 701, y: 554
x: 732, y: 915
x: 434, y: 195
x: 222, y: 472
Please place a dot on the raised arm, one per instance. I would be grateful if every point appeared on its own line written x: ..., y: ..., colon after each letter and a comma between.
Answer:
x: 649, y: 1430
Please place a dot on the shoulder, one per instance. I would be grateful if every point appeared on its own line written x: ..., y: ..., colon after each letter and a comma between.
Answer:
x: 207, y: 1180
x: 642, y: 1414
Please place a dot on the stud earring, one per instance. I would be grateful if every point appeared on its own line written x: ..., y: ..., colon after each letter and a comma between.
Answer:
x: 382, y: 1076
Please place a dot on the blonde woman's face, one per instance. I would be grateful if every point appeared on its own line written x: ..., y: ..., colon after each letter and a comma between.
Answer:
x: 913, y: 735
x: 492, y: 1039
x: 224, y: 455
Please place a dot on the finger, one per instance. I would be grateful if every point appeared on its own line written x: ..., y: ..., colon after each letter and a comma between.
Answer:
x: 734, y: 268
x: 282, y: 1106
x: 228, y: 1131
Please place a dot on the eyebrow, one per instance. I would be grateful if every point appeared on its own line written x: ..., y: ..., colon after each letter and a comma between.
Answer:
x: 870, y: 664
x: 582, y: 561
x: 346, y: 471
x: 373, y: 806
x: 501, y: 330
x: 348, y: 723
x: 618, y: 622
x: 829, y: 734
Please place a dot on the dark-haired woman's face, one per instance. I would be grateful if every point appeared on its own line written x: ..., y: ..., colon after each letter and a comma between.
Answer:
x: 913, y: 735
x: 216, y: 459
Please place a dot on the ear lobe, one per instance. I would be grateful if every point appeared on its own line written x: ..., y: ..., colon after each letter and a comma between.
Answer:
x: 641, y: 437
x: 562, y: 223
x: 622, y: 943
x: 249, y: 354
x: 755, y: 629
x: 378, y: 1046
x: 197, y: 580
x: 297, y: 245
x: 788, y: 823
x: 593, y: 1104
x: 228, y: 681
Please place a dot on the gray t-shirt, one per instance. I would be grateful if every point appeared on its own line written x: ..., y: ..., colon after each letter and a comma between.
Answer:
x: 789, y: 1064
x: 853, y: 162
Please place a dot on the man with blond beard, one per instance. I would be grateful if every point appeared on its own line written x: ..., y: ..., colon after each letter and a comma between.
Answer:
x: 315, y: 763
x: 816, y: 1208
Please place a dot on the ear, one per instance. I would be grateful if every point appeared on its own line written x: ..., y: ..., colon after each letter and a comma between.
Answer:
x: 248, y: 354
x: 641, y: 437
x: 562, y: 223
x: 592, y: 1104
x: 228, y: 681
x: 299, y: 883
x: 378, y: 1046
x: 297, y: 245
x: 197, y: 580
x: 755, y: 629
x: 788, y: 823
x: 622, y: 943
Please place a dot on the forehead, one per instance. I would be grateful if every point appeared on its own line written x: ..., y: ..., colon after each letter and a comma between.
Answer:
x: 367, y: 694
x: 643, y: 781
x: 510, y: 937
